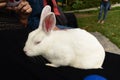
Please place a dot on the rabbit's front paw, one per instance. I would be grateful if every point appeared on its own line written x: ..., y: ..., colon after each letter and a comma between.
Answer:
x: 51, y: 65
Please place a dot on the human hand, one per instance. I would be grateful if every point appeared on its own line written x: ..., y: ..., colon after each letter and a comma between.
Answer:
x: 23, y: 10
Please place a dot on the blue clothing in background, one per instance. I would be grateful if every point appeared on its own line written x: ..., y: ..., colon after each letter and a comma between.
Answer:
x: 34, y: 18
x: 64, y: 27
x: 103, y: 7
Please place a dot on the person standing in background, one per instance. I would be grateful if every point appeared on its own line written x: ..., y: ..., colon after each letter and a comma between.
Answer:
x: 104, y: 6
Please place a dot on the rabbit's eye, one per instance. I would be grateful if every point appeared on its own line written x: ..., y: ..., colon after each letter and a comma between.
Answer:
x: 37, y: 42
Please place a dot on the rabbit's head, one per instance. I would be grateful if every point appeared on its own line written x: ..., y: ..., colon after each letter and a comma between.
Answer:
x: 36, y: 37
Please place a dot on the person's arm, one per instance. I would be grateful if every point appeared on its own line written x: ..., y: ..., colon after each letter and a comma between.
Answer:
x: 24, y: 10
x: 2, y: 4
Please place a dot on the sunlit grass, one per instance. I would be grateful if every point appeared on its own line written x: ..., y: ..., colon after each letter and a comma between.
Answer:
x: 111, y: 27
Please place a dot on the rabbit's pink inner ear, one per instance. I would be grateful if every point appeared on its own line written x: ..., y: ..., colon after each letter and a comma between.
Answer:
x: 48, y: 23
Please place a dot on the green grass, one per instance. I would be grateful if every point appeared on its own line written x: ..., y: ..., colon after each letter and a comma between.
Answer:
x: 111, y: 27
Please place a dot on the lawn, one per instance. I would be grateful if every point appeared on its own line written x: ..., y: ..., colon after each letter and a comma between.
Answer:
x: 111, y: 27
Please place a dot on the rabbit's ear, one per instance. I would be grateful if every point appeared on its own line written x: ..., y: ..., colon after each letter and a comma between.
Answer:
x: 45, y: 11
x: 49, y: 22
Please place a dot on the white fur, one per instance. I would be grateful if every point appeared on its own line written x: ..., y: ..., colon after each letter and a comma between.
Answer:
x: 73, y: 47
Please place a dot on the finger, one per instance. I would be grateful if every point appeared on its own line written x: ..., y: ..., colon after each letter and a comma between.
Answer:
x: 11, y: 8
x: 22, y: 4
x: 3, y: 4
x: 24, y: 8
x: 28, y: 11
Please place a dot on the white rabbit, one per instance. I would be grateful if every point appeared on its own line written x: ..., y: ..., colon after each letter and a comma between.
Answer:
x: 72, y: 47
